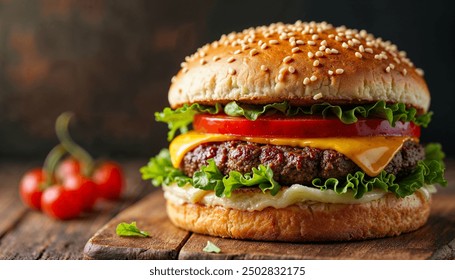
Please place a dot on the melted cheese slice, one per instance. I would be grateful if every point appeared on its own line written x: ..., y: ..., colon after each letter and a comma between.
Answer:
x: 371, y: 154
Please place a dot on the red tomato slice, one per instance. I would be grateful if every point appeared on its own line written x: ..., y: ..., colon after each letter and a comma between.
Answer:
x: 301, y: 127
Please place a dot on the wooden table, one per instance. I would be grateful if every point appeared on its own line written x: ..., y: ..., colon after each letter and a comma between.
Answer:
x: 27, y: 234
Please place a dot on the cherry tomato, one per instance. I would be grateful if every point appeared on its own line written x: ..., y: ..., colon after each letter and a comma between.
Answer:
x: 109, y: 178
x: 30, y: 188
x: 87, y: 188
x: 67, y: 167
x: 61, y: 202
x: 301, y: 127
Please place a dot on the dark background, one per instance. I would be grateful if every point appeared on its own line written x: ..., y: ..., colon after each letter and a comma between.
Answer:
x: 110, y: 62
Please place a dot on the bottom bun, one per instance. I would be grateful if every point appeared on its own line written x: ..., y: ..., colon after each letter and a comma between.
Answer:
x: 387, y: 216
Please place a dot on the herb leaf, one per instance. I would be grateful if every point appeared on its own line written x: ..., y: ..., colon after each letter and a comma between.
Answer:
x: 211, y: 248
x: 125, y: 229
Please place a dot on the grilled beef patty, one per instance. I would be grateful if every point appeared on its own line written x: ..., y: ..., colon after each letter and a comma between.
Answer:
x: 291, y: 165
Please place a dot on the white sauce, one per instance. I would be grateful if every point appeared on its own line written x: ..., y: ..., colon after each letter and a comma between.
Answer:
x: 258, y: 201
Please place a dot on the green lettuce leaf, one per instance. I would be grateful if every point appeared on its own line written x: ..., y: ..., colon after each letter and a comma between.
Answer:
x: 160, y: 170
x: 390, y: 112
x: 428, y: 171
x: 179, y: 119
x: 252, y: 112
x: 211, y: 248
x: 125, y: 229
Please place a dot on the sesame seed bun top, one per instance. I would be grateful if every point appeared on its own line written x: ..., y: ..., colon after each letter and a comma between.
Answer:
x: 303, y: 63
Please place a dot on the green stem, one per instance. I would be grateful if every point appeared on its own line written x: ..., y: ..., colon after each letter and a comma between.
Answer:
x: 61, y: 128
x: 50, y: 163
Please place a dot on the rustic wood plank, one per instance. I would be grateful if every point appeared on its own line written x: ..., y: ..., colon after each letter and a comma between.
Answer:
x: 165, y: 241
x: 36, y: 236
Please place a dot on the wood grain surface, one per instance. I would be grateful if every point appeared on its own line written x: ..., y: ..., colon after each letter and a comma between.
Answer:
x: 436, y: 240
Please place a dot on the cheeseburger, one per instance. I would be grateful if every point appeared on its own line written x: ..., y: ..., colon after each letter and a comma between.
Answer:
x: 298, y: 132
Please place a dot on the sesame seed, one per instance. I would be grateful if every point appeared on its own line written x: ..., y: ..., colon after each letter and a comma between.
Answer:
x: 231, y: 71
x: 313, y: 78
x: 202, y: 61
x: 291, y: 69
x: 245, y: 47
x: 253, y: 52
x: 173, y: 79
x: 317, y: 96
x: 387, y: 69
x: 361, y: 48
x: 185, y: 70
x: 338, y: 38
x: 328, y: 51
x: 334, y: 51
x: 331, y: 36
x: 216, y: 58
x: 260, y: 42
x: 321, y: 48
x: 183, y: 64
x: 300, y: 42
x: 311, y: 43
x: 280, y: 77
x: 306, y: 81
x: 405, y: 71
x: 344, y: 45
x: 339, y: 71
x: 315, y: 37
x: 282, y: 70
x: 202, y: 54
x: 319, y: 54
x: 293, y: 44
x: 287, y: 59
x: 237, y: 51
x: 350, y: 43
x: 369, y: 50
x: 330, y: 72
x: 324, y: 43
x: 273, y: 42
x: 264, y: 46
x: 420, y: 71
x: 231, y: 59
x: 295, y: 50
x: 316, y: 63
x: 264, y: 68
x: 355, y: 41
x: 377, y: 56
x: 392, y: 66
x: 357, y: 54
x: 310, y: 54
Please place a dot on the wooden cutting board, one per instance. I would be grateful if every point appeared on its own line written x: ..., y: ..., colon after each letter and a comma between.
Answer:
x: 436, y: 240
